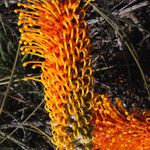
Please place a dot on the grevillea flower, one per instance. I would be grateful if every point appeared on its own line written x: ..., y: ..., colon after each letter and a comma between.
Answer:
x: 56, y: 31
x: 116, y: 129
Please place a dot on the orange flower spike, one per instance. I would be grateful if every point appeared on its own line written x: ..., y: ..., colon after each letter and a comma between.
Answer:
x: 56, y: 31
x: 115, y: 129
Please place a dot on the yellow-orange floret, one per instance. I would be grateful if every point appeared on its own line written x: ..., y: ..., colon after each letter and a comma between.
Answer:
x: 56, y: 31
x: 116, y: 129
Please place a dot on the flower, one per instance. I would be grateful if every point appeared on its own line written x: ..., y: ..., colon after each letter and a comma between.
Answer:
x: 56, y: 31
x: 116, y: 129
